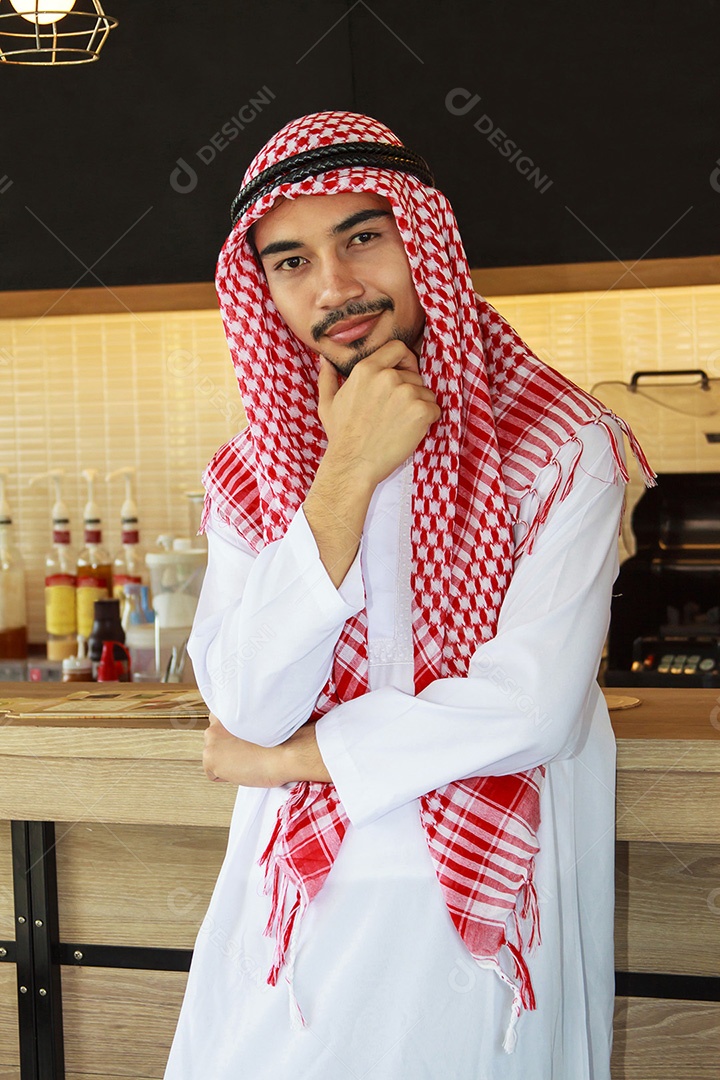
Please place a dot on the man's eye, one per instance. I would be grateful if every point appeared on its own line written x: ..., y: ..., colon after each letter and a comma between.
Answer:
x: 290, y: 264
x: 364, y: 237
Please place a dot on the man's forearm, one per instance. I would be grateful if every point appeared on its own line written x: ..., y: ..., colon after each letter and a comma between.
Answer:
x: 238, y: 761
x: 335, y: 508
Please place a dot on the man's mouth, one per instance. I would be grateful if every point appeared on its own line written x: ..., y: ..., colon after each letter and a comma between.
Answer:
x: 349, y: 330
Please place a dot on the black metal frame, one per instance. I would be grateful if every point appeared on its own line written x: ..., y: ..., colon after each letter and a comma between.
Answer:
x: 141, y: 958
x: 39, y: 954
x: 37, y: 936
x: 672, y: 987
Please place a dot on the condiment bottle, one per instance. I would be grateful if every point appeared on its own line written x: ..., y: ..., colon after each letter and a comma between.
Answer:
x: 128, y: 567
x: 60, y: 578
x: 77, y: 670
x: 94, y: 572
x: 110, y: 669
x: 13, y: 612
x: 106, y: 627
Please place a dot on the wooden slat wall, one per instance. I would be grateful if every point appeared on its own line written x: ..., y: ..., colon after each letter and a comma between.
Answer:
x: 667, y: 914
x: 7, y: 915
x: 666, y: 1040
x: 119, y: 1023
x: 9, y: 1049
x: 135, y: 884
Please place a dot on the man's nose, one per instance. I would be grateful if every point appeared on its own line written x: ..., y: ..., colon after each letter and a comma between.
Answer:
x: 337, y: 283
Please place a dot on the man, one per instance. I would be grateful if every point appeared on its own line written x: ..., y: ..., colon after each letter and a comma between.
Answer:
x: 411, y: 549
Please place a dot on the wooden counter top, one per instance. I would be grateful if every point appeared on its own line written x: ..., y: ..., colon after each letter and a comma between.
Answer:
x: 148, y: 769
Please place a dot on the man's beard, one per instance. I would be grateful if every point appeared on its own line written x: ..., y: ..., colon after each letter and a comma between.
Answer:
x: 352, y: 309
x: 405, y: 334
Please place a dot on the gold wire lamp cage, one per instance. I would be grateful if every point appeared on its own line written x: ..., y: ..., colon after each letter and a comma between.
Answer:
x: 52, y: 32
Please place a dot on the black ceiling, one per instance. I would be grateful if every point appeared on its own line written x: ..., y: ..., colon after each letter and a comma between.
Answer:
x: 615, y: 104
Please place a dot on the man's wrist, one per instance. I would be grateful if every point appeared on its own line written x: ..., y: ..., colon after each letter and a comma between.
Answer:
x: 283, y: 762
x: 338, y: 469
x: 299, y: 759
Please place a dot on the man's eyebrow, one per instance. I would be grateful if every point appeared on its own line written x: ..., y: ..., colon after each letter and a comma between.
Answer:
x: 358, y: 219
x: 281, y: 246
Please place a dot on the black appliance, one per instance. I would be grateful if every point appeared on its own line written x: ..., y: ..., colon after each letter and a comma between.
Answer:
x: 665, y: 615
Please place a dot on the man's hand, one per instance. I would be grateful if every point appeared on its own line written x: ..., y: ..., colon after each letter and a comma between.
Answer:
x: 227, y: 758
x: 380, y: 414
x: 236, y: 761
x: 374, y: 421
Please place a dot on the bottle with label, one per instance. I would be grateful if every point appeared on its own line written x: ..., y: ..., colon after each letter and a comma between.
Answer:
x: 107, y: 628
x: 128, y: 566
x: 60, y: 578
x: 13, y: 612
x: 94, y: 570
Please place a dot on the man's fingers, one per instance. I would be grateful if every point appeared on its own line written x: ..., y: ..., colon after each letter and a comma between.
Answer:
x: 328, y: 383
x: 393, y: 354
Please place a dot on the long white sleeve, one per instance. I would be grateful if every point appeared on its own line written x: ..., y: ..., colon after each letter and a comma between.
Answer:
x: 521, y: 702
x: 265, y: 630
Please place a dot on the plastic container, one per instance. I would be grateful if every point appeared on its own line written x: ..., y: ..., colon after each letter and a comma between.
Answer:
x: 196, y: 505
x: 44, y: 670
x: 176, y: 576
x: 138, y: 624
x: 13, y: 671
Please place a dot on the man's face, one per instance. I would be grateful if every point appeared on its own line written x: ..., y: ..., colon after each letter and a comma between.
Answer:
x: 338, y: 274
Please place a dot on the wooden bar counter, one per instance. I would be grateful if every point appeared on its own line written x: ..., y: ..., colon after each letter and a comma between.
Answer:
x: 117, y: 838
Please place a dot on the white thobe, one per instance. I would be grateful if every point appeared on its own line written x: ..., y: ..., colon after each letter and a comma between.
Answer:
x: 386, y: 986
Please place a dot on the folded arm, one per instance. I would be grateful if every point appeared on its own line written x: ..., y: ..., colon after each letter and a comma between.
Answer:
x: 265, y: 630
x: 522, y: 703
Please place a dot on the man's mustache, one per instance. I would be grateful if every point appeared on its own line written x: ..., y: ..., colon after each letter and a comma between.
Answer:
x: 353, y: 308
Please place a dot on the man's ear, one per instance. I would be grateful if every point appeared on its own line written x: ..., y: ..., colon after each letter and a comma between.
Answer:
x: 250, y: 237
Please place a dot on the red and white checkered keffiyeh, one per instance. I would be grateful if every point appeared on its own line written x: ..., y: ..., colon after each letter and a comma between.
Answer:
x: 505, y: 415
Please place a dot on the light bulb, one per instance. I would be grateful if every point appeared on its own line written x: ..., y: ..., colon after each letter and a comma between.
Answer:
x: 43, y: 11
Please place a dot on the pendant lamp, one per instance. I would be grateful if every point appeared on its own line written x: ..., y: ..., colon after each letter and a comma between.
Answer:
x: 52, y: 32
